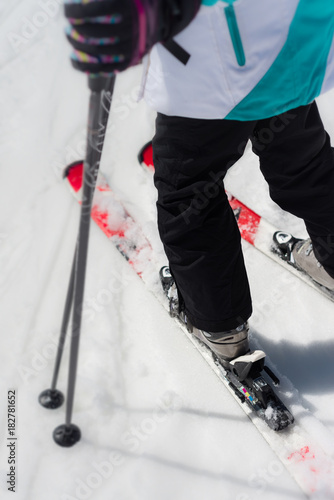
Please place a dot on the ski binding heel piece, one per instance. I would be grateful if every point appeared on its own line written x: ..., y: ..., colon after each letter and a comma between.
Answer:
x: 283, y: 245
x: 244, y: 377
x: 244, y: 365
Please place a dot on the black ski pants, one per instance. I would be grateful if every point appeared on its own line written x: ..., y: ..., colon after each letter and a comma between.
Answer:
x: 196, y: 224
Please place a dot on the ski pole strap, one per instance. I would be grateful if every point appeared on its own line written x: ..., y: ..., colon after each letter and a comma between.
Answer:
x: 177, y: 51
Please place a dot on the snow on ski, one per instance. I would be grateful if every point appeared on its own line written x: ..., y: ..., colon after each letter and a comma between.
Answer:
x: 307, y: 454
x: 253, y: 228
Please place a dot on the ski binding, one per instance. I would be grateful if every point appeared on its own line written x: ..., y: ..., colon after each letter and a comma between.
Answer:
x: 244, y: 375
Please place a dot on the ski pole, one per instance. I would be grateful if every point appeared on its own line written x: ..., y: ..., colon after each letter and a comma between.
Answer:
x: 100, y: 102
x: 53, y: 398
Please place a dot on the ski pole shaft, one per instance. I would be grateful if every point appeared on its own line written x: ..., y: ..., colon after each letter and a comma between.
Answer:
x: 53, y: 398
x: 97, y: 123
x: 99, y: 107
x: 64, y: 326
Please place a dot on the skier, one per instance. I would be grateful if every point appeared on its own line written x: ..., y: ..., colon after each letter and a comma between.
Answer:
x: 220, y: 73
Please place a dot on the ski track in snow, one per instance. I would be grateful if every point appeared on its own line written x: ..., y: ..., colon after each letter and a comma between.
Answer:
x: 148, y: 406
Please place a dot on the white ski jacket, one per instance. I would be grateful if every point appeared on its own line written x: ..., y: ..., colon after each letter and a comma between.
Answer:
x: 250, y: 59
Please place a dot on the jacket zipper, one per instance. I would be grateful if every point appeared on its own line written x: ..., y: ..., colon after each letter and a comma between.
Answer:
x: 232, y: 23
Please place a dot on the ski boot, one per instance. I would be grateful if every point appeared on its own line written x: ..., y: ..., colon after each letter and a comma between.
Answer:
x: 299, y: 253
x: 240, y: 367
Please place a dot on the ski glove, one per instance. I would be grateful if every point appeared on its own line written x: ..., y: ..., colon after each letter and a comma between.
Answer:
x: 109, y: 36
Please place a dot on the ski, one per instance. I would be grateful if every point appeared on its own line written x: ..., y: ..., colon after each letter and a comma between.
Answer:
x: 308, y: 458
x: 255, y: 230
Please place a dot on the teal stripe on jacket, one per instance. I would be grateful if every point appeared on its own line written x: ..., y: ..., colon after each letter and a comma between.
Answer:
x: 291, y: 81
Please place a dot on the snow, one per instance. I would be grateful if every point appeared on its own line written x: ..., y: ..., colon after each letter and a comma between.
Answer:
x: 155, y: 420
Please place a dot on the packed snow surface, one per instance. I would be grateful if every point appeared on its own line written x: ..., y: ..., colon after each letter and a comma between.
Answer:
x: 156, y: 422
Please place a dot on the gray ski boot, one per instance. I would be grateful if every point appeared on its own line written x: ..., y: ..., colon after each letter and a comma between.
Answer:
x: 232, y: 350
x: 299, y: 253
x: 304, y: 259
x: 230, y: 347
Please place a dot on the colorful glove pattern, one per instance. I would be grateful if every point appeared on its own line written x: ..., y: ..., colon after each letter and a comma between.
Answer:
x: 108, y: 36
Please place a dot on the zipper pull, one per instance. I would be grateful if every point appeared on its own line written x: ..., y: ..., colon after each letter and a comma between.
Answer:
x: 232, y: 24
